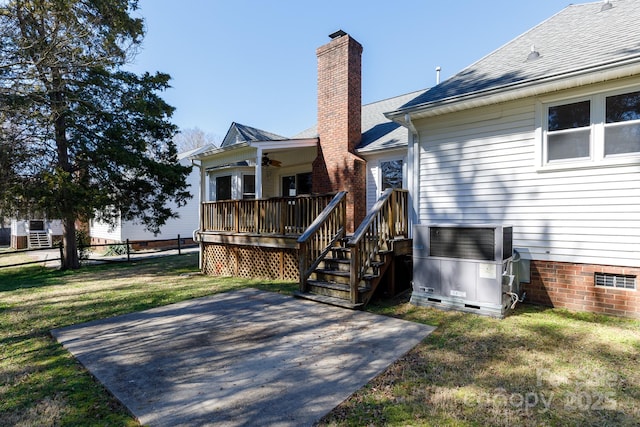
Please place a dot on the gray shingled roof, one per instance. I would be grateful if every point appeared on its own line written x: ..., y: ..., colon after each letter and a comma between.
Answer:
x: 580, y: 37
x: 378, y: 132
x: 241, y: 133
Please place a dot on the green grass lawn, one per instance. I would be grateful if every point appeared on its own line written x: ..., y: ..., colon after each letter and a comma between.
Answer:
x: 40, y: 383
x: 536, y: 367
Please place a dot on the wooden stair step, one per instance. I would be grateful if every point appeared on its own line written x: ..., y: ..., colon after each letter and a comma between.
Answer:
x: 336, y: 286
x: 339, y: 302
x: 333, y: 272
x: 336, y: 264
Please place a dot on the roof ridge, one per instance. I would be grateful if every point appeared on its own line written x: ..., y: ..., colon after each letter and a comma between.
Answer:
x: 394, y: 97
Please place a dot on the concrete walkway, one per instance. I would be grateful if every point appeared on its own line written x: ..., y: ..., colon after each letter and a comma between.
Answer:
x: 241, y: 358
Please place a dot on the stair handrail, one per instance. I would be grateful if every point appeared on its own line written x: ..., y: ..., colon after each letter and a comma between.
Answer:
x: 320, y: 236
x: 387, y: 219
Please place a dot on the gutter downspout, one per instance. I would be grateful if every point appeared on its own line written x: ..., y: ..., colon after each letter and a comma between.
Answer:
x: 413, y: 172
x: 201, y: 198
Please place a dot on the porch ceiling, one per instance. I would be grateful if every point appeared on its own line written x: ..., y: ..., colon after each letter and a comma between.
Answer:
x: 248, y: 151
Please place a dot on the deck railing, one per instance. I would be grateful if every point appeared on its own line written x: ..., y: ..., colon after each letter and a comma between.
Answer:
x: 278, y: 215
x: 388, y: 219
x: 321, y: 235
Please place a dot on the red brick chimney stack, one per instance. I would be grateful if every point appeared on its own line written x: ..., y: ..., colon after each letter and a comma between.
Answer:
x: 337, y: 167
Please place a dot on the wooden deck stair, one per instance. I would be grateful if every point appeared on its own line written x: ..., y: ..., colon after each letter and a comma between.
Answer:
x: 329, y: 283
x: 346, y: 271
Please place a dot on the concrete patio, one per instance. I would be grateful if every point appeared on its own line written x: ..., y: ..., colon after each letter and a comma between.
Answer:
x: 247, y: 357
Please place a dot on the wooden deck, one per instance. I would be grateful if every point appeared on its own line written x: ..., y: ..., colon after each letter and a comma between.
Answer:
x: 256, y: 238
x: 275, y: 216
x: 303, y: 239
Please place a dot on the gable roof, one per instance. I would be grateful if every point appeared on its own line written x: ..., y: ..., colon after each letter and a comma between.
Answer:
x: 242, y: 133
x: 378, y: 132
x: 579, y: 39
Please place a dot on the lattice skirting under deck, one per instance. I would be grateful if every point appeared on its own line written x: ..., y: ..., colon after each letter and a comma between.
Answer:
x: 250, y: 262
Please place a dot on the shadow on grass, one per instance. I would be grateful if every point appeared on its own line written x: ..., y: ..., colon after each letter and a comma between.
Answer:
x: 40, y: 383
x: 538, y: 366
x: 35, y: 276
x: 29, y: 277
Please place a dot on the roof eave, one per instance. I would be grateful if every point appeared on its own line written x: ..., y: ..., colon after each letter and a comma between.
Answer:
x: 519, y: 90
x: 219, y: 150
x: 271, y: 144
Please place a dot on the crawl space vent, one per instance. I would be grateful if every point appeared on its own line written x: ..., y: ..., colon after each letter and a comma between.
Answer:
x: 615, y: 281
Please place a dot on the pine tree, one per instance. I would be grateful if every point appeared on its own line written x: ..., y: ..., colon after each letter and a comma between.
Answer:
x: 81, y: 138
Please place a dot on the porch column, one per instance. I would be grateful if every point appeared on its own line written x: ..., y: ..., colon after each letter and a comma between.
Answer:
x: 258, y: 173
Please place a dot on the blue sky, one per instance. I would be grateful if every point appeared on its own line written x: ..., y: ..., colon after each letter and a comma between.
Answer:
x: 254, y: 62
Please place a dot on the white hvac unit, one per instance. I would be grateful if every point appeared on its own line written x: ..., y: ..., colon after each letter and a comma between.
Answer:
x: 464, y: 267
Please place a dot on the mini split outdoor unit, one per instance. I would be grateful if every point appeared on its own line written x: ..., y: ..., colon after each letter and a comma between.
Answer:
x: 465, y: 267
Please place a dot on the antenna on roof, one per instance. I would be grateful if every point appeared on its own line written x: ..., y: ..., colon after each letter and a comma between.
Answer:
x: 606, y: 5
x: 438, y: 75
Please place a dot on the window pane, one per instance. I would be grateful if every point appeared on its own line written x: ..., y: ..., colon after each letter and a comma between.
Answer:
x: 304, y: 183
x: 568, y: 145
x: 288, y: 186
x: 570, y: 116
x: 621, y: 108
x: 622, y: 139
x: 248, y: 186
x: 223, y: 187
x: 391, y: 174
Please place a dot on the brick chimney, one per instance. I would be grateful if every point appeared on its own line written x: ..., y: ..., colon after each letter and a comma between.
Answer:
x: 337, y: 167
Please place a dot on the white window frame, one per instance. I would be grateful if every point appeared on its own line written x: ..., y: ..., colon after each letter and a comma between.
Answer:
x: 596, y: 156
x: 243, y: 175
x: 214, y: 185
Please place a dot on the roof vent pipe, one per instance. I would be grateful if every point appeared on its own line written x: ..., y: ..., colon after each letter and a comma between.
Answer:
x: 534, y: 54
x: 438, y: 75
x: 606, y: 5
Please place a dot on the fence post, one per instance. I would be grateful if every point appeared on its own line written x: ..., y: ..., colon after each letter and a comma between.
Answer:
x: 179, y: 248
x: 128, y: 252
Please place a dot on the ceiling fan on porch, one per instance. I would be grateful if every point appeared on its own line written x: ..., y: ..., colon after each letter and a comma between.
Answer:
x: 266, y: 161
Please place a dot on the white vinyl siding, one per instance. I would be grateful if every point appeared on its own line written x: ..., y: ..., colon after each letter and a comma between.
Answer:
x: 184, y: 225
x: 102, y: 230
x: 475, y: 170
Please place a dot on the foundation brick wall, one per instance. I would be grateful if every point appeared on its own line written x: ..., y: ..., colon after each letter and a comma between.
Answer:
x: 572, y: 286
x: 337, y: 168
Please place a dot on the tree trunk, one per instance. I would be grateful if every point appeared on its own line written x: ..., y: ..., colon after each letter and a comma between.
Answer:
x: 70, y: 259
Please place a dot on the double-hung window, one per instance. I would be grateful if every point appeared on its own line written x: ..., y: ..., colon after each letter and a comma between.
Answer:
x: 622, y: 124
x: 569, y: 131
x: 602, y: 128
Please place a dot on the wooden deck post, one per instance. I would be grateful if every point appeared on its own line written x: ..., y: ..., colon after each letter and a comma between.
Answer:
x: 354, y: 265
x: 302, y: 266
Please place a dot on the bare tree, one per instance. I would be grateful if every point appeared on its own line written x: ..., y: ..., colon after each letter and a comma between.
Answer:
x: 192, y: 138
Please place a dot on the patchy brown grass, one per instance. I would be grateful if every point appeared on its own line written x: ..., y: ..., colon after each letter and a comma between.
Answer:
x: 539, y: 366
x: 41, y: 384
